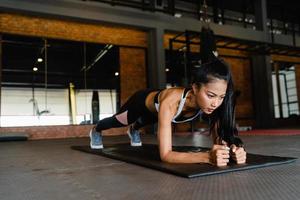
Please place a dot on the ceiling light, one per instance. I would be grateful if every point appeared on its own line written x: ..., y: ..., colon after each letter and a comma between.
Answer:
x: 177, y: 15
x: 35, y: 69
x: 40, y: 60
x: 116, y: 73
x: 167, y: 69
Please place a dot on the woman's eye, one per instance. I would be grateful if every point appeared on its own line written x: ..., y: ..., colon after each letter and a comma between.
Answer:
x: 210, y: 96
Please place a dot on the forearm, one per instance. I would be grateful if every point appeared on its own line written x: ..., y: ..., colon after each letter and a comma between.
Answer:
x: 186, y: 157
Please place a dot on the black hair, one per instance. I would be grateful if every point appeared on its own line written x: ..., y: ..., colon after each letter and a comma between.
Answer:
x: 223, y: 118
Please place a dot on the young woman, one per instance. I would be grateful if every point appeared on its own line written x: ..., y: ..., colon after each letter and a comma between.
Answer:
x: 211, y: 95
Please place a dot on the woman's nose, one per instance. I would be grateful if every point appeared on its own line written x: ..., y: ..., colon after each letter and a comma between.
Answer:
x: 214, y: 103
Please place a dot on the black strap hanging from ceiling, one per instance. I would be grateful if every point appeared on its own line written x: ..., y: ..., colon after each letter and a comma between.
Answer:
x: 208, y: 45
x: 207, y: 39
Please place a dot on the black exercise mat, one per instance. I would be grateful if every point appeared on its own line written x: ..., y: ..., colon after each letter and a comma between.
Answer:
x: 148, y: 156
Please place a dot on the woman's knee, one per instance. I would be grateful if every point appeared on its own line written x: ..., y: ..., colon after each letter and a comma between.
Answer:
x: 107, y: 123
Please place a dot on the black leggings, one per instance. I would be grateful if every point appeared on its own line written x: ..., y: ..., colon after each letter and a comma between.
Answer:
x: 137, y: 113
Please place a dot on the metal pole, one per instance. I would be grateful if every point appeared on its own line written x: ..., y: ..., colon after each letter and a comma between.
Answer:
x: 271, y: 27
x: 276, y: 67
x: 0, y: 75
x: 46, y: 71
x: 294, y: 35
x: 286, y: 94
x: 72, y: 99
x: 244, y: 14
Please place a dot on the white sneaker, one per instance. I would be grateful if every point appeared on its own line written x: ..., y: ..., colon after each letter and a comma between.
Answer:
x: 95, y: 139
x: 135, y: 139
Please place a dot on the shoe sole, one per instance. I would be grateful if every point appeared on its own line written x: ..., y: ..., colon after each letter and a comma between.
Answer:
x: 133, y: 144
x: 94, y: 146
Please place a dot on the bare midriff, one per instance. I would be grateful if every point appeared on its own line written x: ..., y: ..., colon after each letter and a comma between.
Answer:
x: 150, y: 101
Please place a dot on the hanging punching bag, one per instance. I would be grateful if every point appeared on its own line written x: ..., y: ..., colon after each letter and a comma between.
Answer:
x: 207, y: 45
x: 95, y: 107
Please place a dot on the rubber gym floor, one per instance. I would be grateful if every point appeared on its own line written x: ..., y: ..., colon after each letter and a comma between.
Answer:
x: 50, y: 169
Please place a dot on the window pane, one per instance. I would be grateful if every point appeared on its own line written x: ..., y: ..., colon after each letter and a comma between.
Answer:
x: 288, y: 91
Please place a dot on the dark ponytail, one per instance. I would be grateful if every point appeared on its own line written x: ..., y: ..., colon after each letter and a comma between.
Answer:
x: 223, y: 118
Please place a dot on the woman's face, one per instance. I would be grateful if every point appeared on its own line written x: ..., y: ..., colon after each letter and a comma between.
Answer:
x: 210, y: 96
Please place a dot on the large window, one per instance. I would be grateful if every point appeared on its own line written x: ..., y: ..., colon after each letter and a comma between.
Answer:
x: 27, y: 107
x: 285, y: 90
x: 51, y: 82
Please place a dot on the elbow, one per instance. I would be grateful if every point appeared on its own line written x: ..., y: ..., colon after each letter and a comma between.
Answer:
x: 163, y: 158
x: 166, y: 157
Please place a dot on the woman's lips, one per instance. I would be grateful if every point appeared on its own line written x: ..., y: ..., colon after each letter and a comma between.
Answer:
x: 210, y: 110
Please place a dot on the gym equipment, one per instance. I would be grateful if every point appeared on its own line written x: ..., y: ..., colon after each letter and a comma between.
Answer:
x: 148, y: 156
x: 33, y: 100
x: 11, y: 137
x: 95, y: 107
x: 189, y: 49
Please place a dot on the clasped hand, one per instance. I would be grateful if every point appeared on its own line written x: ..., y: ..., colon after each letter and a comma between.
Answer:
x: 220, y: 154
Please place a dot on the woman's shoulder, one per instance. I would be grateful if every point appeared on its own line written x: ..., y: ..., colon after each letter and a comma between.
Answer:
x: 175, y: 89
x: 173, y: 93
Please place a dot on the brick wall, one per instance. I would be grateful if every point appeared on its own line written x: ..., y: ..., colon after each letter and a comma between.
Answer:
x: 242, y: 75
x: 55, y: 132
x: 285, y: 58
x: 71, y: 30
x: 132, y: 71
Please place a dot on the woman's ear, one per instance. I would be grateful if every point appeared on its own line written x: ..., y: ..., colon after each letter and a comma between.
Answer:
x: 195, y: 88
